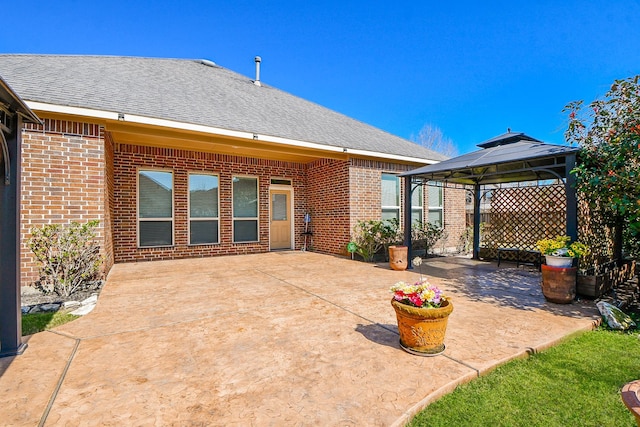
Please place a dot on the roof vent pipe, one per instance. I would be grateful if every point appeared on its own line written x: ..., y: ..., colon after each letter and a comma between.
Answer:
x: 257, y: 80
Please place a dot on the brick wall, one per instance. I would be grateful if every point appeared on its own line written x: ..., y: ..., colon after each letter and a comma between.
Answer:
x: 63, y: 173
x: 75, y: 172
x: 108, y: 201
x: 454, y: 215
x: 128, y: 159
x: 328, y: 203
x: 365, y: 177
x: 366, y: 185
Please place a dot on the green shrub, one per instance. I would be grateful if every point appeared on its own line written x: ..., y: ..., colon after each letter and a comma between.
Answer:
x: 375, y: 236
x: 69, y: 257
x: 425, y: 235
x: 371, y: 236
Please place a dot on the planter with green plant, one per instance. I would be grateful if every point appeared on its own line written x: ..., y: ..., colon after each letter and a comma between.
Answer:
x: 558, y: 275
x: 558, y: 252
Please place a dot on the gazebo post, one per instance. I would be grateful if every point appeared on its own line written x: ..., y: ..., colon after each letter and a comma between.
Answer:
x: 572, y: 200
x: 15, y: 112
x: 407, y: 219
x: 476, y: 220
x: 10, y: 312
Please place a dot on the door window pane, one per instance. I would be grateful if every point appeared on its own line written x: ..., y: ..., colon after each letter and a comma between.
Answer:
x: 279, y: 207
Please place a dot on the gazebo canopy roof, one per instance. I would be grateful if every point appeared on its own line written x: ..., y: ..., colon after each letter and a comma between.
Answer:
x: 510, y: 157
x: 12, y: 102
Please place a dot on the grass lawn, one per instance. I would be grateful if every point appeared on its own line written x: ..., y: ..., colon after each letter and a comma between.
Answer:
x: 36, y: 322
x: 576, y: 383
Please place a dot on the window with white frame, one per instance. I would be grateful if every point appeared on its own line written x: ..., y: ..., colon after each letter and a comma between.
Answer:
x: 155, y: 208
x: 203, y: 209
x: 435, y: 215
x: 417, y: 205
x: 390, y: 196
x: 245, y: 209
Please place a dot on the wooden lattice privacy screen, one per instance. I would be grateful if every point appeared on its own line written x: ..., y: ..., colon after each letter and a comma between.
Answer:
x: 520, y: 216
x: 594, y: 232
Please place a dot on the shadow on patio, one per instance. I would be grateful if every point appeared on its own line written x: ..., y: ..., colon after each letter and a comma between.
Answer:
x: 507, y: 285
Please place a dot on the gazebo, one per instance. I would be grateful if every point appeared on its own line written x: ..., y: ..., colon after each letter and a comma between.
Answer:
x: 509, y: 158
x: 13, y: 112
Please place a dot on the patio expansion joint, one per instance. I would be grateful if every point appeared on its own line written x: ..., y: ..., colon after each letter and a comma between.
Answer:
x: 466, y: 365
x: 321, y: 298
x: 56, y: 390
x: 134, y: 330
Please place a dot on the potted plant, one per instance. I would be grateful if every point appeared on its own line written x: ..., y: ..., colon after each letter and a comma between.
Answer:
x: 559, y: 252
x: 398, y: 257
x: 558, y: 275
x: 422, y: 311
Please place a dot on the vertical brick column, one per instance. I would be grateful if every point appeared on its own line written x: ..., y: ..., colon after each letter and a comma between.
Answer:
x: 63, y: 180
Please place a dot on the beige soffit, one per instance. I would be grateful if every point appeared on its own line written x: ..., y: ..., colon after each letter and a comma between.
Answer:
x: 130, y: 118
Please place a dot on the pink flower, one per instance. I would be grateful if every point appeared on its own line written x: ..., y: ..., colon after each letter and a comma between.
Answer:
x: 416, y: 300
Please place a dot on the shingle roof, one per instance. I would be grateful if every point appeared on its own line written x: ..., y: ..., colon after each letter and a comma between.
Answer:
x: 192, y: 91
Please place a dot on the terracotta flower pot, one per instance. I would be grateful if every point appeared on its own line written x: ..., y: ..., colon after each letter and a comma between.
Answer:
x: 631, y: 397
x: 398, y: 256
x: 422, y: 329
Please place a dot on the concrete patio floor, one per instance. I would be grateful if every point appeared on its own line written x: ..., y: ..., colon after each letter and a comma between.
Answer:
x: 282, y: 338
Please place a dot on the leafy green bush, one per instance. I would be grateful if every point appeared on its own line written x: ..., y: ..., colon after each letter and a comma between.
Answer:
x: 608, y: 132
x: 425, y: 235
x: 374, y: 236
x: 69, y: 257
x: 371, y: 236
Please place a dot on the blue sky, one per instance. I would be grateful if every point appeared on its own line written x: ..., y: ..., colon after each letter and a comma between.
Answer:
x: 471, y: 68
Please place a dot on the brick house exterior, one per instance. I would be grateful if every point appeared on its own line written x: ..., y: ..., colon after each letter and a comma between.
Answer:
x: 89, y: 157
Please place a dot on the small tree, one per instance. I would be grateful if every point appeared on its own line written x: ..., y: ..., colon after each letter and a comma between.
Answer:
x: 608, y: 173
x: 69, y: 257
x: 431, y: 137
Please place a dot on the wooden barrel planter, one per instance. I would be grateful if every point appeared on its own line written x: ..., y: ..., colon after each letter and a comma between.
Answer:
x: 559, y: 284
